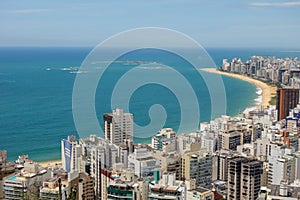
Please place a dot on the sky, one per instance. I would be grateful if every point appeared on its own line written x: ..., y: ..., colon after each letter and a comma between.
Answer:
x: 222, y: 23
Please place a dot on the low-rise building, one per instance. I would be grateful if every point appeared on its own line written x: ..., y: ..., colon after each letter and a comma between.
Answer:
x: 53, y: 189
x: 25, y: 184
x: 200, y: 193
x: 157, y: 140
x: 144, y: 164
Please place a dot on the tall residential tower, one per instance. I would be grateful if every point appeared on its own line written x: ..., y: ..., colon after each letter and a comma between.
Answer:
x: 118, y: 126
x: 287, y: 99
x: 244, y: 178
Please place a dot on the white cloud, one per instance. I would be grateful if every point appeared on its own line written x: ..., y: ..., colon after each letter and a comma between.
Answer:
x: 276, y: 4
x: 25, y: 11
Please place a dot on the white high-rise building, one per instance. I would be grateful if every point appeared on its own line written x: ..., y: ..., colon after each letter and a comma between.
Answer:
x: 101, y: 155
x: 281, y: 169
x: 70, y: 154
x: 97, y: 164
x: 118, y: 126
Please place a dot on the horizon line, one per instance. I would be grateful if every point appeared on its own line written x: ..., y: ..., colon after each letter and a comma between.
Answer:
x: 286, y: 49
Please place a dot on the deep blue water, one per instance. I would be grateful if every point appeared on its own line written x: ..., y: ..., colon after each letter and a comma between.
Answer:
x: 36, y: 103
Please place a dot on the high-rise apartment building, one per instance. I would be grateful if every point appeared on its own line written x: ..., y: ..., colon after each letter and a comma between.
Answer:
x: 70, y: 153
x: 234, y: 178
x: 118, y: 126
x: 197, y: 166
x: 229, y: 139
x: 86, y: 187
x: 101, y: 156
x: 221, y: 164
x: 281, y: 169
x: 244, y: 178
x: 287, y: 98
x: 251, y: 179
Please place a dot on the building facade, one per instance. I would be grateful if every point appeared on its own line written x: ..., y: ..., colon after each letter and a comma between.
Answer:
x: 244, y: 178
x: 287, y: 99
x: 118, y: 126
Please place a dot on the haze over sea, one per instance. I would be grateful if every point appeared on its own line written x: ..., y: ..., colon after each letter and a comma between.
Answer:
x: 36, y: 86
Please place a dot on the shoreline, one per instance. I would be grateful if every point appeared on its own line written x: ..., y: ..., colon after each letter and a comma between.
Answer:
x: 268, y: 91
x: 264, y: 94
x: 50, y: 163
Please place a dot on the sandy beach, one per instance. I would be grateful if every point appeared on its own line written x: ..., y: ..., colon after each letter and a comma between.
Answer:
x: 50, y: 163
x: 268, y: 91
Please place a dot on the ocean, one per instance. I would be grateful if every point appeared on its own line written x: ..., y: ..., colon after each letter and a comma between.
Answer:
x: 36, y: 85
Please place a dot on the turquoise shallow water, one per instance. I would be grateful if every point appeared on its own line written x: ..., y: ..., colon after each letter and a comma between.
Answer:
x: 36, y: 95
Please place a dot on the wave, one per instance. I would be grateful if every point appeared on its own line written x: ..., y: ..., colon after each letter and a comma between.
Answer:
x: 259, y: 91
x: 257, y: 101
x: 249, y: 109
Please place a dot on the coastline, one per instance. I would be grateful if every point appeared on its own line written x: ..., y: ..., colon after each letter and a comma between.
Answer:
x: 50, y: 163
x: 267, y: 91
